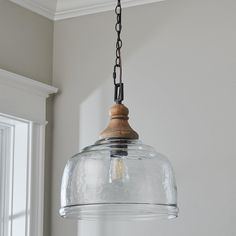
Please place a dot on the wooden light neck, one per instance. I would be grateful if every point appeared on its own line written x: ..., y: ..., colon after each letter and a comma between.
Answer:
x: 119, y: 126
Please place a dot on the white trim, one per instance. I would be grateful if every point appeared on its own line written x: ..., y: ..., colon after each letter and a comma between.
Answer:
x: 36, y: 7
x: 24, y: 100
x: 96, y: 8
x: 68, y: 11
x: 28, y: 183
x: 19, y: 81
x: 6, y: 158
x: 23, y: 97
x: 37, y: 179
x: 10, y: 116
x: 35, y: 175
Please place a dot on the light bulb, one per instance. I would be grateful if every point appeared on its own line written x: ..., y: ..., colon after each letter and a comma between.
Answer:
x: 118, y: 170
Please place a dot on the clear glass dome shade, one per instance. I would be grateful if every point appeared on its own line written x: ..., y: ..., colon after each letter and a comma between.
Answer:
x: 118, y: 179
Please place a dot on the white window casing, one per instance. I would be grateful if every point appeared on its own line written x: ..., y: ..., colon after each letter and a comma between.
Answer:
x: 23, y: 100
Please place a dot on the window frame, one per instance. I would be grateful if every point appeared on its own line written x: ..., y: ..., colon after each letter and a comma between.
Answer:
x: 25, y: 99
x: 6, y: 159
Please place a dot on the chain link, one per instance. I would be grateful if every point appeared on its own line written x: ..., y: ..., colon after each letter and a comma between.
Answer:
x: 119, y: 90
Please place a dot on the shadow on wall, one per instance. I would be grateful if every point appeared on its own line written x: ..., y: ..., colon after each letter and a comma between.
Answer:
x: 96, y: 59
x: 84, y: 56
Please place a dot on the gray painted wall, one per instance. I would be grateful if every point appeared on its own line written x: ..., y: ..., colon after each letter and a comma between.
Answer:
x: 26, y: 45
x: 26, y: 42
x: 179, y: 70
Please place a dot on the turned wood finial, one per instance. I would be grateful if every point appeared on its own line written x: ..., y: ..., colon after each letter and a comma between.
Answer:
x: 119, y: 126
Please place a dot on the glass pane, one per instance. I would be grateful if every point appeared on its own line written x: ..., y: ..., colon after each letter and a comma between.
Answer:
x: 18, y: 225
x: 20, y: 168
x: 14, y: 177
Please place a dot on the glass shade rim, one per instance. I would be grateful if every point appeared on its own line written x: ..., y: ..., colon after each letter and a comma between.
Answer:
x: 120, y: 211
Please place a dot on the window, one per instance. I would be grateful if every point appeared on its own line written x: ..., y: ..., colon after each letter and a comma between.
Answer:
x: 15, y: 173
x: 22, y: 139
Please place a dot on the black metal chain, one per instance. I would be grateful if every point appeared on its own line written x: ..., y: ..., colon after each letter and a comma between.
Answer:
x: 119, y: 87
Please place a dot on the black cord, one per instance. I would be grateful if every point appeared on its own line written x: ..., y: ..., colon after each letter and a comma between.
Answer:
x: 119, y: 87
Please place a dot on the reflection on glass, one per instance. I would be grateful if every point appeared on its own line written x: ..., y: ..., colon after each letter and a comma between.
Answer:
x: 118, y: 170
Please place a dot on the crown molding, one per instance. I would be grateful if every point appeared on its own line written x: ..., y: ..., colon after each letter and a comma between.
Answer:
x: 69, y: 8
x: 18, y: 81
x: 36, y: 7
x: 95, y: 8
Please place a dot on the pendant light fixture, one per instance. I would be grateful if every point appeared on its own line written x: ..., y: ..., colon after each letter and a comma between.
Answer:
x: 118, y: 177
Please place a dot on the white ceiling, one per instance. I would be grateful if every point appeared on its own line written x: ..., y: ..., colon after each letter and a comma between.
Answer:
x: 62, y: 9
